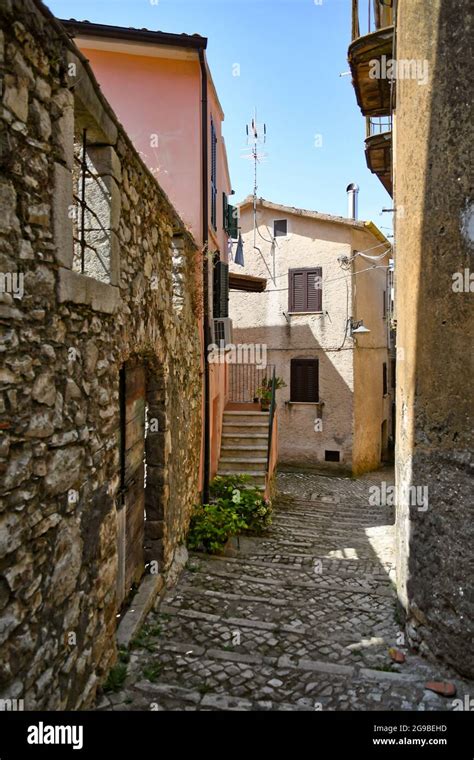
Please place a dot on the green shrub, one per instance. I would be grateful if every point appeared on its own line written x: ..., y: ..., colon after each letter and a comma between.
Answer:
x: 236, y: 507
x: 116, y: 678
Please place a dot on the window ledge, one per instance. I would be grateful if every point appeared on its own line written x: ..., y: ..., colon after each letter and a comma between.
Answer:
x: 305, y: 403
x: 293, y: 313
x: 74, y: 287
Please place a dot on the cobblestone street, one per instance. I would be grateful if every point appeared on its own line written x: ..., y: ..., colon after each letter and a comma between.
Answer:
x: 300, y: 619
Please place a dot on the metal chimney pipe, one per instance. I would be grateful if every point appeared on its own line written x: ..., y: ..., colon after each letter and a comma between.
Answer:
x: 352, y: 191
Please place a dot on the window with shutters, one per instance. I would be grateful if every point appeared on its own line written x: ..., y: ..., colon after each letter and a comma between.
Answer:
x: 304, y: 380
x: 230, y: 219
x: 384, y: 379
x: 305, y: 290
x: 213, y: 176
x: 221, y: 290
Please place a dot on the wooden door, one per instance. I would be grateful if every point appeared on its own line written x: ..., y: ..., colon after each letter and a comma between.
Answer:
x: 132, y: 471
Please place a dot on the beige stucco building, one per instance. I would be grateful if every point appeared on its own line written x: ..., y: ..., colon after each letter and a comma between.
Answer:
x: 335, y: 411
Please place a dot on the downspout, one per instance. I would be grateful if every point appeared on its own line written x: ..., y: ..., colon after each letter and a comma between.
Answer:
x: 205, y: 274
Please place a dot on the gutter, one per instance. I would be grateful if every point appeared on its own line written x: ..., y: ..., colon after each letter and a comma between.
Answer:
x: 105, y: 31
x: 205, y: 274
x: 377, y: 233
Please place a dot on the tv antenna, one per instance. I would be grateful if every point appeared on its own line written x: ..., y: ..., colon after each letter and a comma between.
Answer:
x: 256, y: 138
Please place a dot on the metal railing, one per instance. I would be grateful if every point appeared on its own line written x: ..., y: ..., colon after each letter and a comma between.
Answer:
x: 82, y: 229
x: 245, y: 379
x: 270, y: 422
x: 377, y: 125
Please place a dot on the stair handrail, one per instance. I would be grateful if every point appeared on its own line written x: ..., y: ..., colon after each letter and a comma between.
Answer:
x: 272, y: 416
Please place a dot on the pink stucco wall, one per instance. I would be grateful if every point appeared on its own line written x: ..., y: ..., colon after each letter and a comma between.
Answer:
x: 157, y: 99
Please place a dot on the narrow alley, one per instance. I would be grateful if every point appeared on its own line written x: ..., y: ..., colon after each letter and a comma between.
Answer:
x: 300, y: 619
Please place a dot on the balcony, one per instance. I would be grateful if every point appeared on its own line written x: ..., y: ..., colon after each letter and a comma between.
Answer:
x: 378, y: 149
x: 368, y: 55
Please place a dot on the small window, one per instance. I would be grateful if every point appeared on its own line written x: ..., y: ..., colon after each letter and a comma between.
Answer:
x: 332, y: 456
x: 92, y: 218
x: 384, y: 379
x: 384, y: 304
x: 305, y: 290
x: 304, y: 380
x: 280, y: 228
x: 393, y: 372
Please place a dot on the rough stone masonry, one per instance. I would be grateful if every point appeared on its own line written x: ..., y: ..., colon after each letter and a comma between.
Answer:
x: 64, y: 335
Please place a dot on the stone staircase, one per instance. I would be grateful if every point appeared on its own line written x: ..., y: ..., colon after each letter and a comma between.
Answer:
x: 301, y: 618
x: 244, y: 445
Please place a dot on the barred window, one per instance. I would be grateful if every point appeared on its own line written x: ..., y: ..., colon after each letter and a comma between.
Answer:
x: 92, y: 213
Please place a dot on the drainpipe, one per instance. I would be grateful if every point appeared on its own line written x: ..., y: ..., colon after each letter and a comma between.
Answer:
x: 205, y: 274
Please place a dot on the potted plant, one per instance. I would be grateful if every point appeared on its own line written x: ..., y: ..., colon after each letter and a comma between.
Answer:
x: 264, y: 391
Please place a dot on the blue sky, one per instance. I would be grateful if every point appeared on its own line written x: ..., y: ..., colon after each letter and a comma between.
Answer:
x: 290, y: 54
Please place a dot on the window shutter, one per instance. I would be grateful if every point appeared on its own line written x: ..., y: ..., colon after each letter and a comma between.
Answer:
x: 305, y: 291
x: 213, y: 176
x: 225, y: 212
x: 232, y: 221
x: 304, y: 380
x: 297, y: 290
x: 314, y: 289
x: 221, y: 290
x: 384, y: 379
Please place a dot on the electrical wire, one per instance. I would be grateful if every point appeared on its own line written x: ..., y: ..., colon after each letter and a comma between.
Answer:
x: 325, y: 282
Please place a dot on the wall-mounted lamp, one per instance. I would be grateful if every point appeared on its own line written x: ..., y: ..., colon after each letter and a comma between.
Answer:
x: 358, y: 328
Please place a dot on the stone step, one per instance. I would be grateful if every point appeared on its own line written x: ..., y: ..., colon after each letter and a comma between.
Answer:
x: 258, y: 476
x: 330, y: 576
x: 245, y: 427
x: 245, y: 439
x: 229, y: 448
x: 247, y: 417
x: 214, y: 677
x: 339, y: 618
x: 243, y: 464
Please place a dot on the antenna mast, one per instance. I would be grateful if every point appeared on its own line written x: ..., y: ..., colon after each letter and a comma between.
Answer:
x: 256, y: 138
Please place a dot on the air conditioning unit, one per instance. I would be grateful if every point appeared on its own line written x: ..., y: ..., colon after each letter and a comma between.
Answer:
x: 221, y: 331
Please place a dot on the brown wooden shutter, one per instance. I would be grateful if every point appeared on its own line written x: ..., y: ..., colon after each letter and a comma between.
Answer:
x: 303, y: 293
x: 304, y: 380
x: 297, y: 290
x: 384, y: 379
x: 314, y: 300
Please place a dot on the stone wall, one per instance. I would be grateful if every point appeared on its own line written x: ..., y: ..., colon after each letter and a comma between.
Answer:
x: 64, y: 336
x: 434, y: 230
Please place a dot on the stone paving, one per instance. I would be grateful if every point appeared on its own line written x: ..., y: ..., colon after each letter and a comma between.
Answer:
x: 299, y: 619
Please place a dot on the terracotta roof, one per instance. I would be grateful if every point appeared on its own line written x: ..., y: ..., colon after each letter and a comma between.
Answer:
x: 322, y: 217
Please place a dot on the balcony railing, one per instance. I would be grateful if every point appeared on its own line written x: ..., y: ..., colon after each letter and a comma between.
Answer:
x: 245, y: 379
x: 378, y: 149
x: 376, y: 125
x: 370, y: 15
